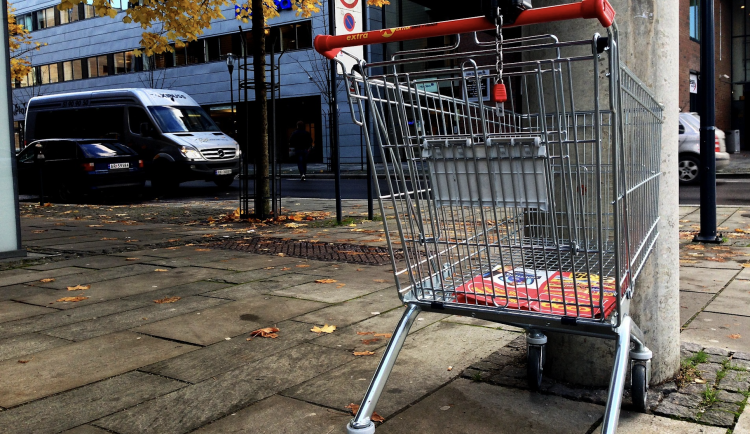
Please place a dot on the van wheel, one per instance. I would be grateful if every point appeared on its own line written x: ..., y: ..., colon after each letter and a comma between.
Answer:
x: 224, y: 181
x: 689, y: 169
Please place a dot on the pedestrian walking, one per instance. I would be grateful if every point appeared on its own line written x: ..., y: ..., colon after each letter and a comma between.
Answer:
x: 302, y: 143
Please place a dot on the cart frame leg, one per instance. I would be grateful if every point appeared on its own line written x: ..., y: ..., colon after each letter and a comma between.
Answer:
x: 361, y: 424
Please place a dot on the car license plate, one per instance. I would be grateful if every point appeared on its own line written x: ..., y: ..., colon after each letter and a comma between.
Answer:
x: 119, y: 166
x: 224, y: 172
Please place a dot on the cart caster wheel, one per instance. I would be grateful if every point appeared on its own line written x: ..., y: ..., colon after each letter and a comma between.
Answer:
x: 639, y: 387
x: 534, y: 366
x: 369, y: 429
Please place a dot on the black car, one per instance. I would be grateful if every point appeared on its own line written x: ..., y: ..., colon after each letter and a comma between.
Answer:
x: 71, y: 167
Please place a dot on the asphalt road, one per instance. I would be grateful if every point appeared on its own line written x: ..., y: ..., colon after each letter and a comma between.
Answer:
x: 729, y: 191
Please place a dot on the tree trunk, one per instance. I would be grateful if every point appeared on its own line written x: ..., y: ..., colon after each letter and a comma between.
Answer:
x: 260, y: 130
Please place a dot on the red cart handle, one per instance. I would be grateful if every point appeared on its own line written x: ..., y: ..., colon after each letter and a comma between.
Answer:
x: 330, y: 46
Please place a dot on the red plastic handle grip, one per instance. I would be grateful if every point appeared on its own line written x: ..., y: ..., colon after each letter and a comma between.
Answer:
x: 330, y: 46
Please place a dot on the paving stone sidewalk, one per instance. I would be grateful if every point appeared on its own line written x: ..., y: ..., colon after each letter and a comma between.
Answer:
x: 117, y: 361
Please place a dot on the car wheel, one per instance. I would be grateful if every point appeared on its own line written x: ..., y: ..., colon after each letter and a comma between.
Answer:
x: 689, y: 169
x: 162, y: 179
x: 64, y: 193
x: 224, y: 181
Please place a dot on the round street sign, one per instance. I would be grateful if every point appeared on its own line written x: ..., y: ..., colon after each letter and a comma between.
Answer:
x: 349, y: 3
x: 349, y: 22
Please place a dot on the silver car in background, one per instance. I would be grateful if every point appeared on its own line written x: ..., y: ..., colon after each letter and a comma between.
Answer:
x: 689, y: 150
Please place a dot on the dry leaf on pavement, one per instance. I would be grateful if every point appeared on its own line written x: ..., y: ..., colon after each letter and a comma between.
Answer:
x: 39, y: 231
x: 285, y: 269
x: 202, y: 250
x: 325, y: 329
x: 384, y: 335
x: 377, y: 418
x: 735, y: 336
x: 746, y: 265
x: 72, y: 299
x: 47, y: 280
x: 167, y: 300
x: 95, y: 226
x: 161, y: 270
x: 79, y: 287
x: 268, y: 332
x: 302, y: 266
x: 108, y: 239
x: 370, y: 341
x: 340, y: 285
x: 354, y: 408
x: 131, y: 259
x: 325, y: 281
x: 363, y: 353
x: 378, y: 280
x: 365, y: 333
x: 26, y: 361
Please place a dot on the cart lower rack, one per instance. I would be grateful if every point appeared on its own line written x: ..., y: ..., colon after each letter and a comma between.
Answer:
x: 536, y: 207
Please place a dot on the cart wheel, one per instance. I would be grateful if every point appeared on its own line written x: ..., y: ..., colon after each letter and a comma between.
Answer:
x: 534, y: 366
x: 639, y: 388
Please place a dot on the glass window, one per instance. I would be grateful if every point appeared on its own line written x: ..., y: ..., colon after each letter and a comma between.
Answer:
x: 67, y: 71
x: 226, y: 45
x: 136, y: 117
x: 179, y: 56
x: 26, y: 80
x: 120, y: 63
x: 196, y: 52
x: 49, y: 17
x: 73, y: 13
x: 304, y: 35
x: 40, y: 21
x: 88, y: 11
x: 695, y: 21
x: 27, y: 21
x: 129, y: 61
x: 212, y: 48
x: 64, y: 17
x: 116, y: 3
x: 288, y: 37
x: 77, y: 69
x: 44, y: 72
x: 272, y: 40
x: 105, y: 150
x: 93, y: 69
x: 173, y: 119
x: 53, y: 73
x: 103, y: 67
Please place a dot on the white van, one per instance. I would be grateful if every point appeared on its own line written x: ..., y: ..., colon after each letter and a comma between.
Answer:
x: 175, y: 137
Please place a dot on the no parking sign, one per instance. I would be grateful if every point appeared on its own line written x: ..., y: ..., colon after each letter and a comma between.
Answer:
x: 348, y: 21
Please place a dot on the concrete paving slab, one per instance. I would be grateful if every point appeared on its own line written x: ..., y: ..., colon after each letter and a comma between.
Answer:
x: 482, y: 323
x: 734, y: 299
x: 283, y: 277
x: 242, y: 291
x: 16, y: 276
x: 12, y: 310
x: 422, y: 367
x: 133, y: 318
x: 56, y: 319
x: 224, y: 356
x: 692, y: 303
x: 639, y: 423
x: 20, y: 346
x: 263, y: 418
x: 228, y: 320
x: 84, y: 404
x: 704, y: 280
x: 186, y: 290
x: 249, y: 261
x: 158, y: 253
x: 63, y: 368
x: 479, y: 408
x: 127, y: 286
x: 743, y: 423
x: 714, y: 330
x: 347, y: 338
x: 195, y: 259
x: 348, y: 285
x: 194, y: 406
x: 90, y: 277
x: 353, y: 311
x: 95, y: 262
x: 16, y: 292
x: 98, y: 246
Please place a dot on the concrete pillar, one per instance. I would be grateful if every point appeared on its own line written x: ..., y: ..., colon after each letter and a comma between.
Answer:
x: 649, y: 47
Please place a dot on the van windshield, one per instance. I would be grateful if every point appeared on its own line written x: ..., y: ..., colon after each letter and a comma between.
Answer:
x: 172, y: 119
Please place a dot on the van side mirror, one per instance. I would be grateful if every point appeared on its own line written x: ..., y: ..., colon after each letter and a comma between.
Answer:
x: 145, y: 130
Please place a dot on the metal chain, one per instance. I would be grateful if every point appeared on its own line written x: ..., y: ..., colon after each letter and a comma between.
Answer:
x: 499, y: 46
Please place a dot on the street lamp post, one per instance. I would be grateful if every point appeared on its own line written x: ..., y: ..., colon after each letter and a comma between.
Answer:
x: 230, y: 67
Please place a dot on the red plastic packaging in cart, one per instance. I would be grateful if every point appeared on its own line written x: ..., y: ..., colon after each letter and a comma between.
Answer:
x: 551, y: 292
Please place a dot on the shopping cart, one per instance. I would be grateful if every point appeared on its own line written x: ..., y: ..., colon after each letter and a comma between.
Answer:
x: 537, y: 208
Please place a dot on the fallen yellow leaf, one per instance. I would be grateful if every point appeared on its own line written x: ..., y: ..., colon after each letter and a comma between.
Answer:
x: 79, y: 287
x: 365, y: 333
x: 72, y: 299
x: 47, y: 280
x: 370, y: 341
x: 268, y: 332
x: 742, y: 231
x: 108, y: 239
x: 325, y: 281
x: 26, y: 361
x: 131, y: 259
x: 378, y: 280
x: 202, y: 250
x: 285, y: 269
x: 746, y: 265
x: 161, y: 270
x: 325, y: 329
x: 384, y: 335
x: 363, y: 353
x: 340, y: 285
x: 167, y: 300
x: 735, y: 336
x: 302, y: 266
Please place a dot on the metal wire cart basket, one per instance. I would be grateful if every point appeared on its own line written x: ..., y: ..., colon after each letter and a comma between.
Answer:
x: 537, y: 208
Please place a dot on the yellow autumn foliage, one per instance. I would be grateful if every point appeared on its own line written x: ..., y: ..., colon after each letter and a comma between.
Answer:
x: 180, y: 21
x: 20, y: 44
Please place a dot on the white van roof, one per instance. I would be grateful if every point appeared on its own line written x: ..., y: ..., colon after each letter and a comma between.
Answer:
x: 147, y: 97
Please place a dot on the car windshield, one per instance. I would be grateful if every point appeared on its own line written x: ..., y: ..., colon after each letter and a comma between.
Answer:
x: 173, y: 119
x: 692, y: 121
x: 105, y: 150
